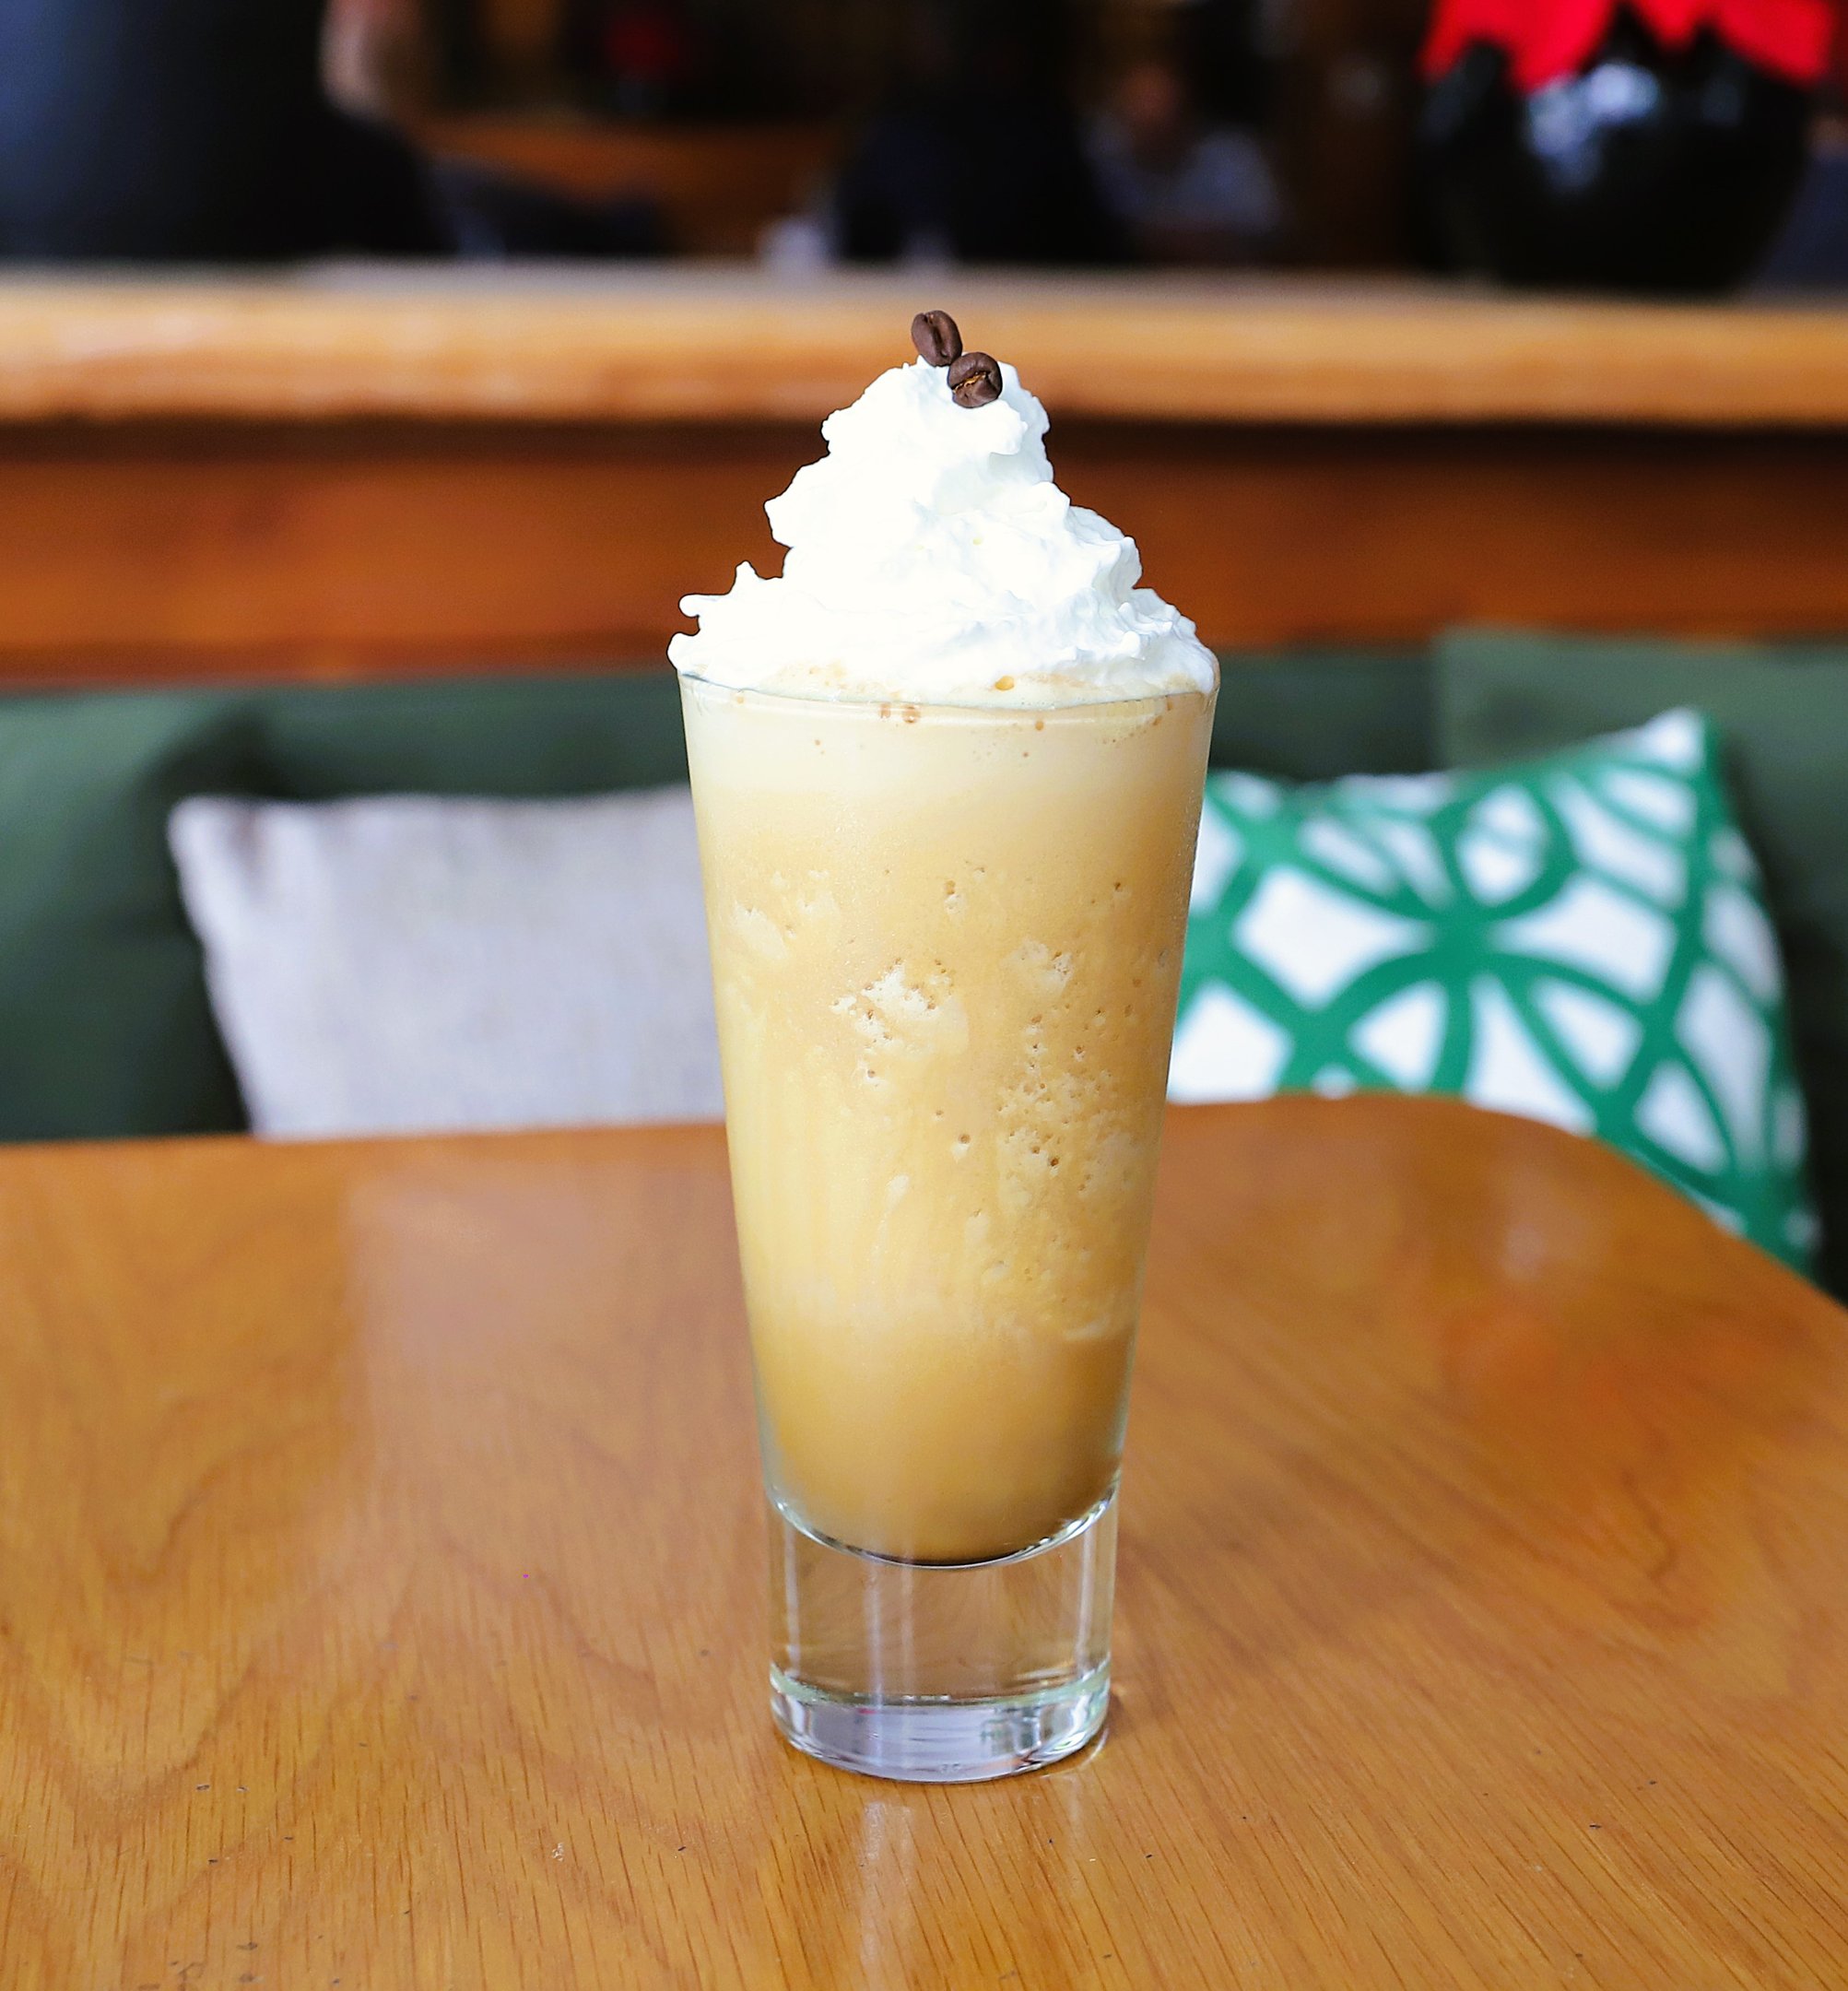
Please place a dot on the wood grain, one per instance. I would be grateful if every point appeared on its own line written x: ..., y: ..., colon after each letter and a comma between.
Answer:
x: 383, y: 1599
x: 728, y: 344
x: 156, y: 554
x: 359, y: 474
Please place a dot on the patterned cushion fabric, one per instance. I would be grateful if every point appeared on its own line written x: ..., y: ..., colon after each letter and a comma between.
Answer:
x: 1781, y: 712
x: 1581, y: 939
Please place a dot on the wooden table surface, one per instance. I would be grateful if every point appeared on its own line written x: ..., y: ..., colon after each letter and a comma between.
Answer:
x: 738, y: 344
x: 382, y: 1588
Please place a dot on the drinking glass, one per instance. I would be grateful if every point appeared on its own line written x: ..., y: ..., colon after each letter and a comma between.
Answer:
x: 945, y: 948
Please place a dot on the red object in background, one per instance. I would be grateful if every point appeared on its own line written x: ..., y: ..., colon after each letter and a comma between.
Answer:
x: 1550, y: 38
x: 648, y: 45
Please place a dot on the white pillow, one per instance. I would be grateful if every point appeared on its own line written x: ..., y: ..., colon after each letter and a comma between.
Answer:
x: 411, y: 963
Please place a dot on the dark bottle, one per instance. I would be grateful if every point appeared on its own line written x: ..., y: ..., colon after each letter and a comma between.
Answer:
x: 1648, y: 168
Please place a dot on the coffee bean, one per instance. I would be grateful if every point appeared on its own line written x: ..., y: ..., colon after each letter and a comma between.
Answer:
x: 975, y: 379
x: 935, y: 335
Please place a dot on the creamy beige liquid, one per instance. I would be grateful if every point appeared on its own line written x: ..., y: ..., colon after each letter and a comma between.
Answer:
x: 946, y: 949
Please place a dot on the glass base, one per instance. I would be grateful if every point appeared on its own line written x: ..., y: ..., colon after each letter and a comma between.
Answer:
x: 938, y: 1673
x: 941, y: 1741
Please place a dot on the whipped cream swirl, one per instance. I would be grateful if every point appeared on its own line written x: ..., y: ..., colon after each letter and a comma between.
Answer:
x: 933, y: 559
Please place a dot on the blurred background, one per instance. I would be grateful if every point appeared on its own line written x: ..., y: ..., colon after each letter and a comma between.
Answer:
x: 1078, y: 133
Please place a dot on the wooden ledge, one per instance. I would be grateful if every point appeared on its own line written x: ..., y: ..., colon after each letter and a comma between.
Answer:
x: 728, y: 344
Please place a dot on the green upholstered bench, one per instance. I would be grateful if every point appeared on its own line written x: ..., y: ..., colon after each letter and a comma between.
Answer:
x: 104, y: 1025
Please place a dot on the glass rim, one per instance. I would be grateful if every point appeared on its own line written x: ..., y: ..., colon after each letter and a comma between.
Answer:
x: 988, y: 709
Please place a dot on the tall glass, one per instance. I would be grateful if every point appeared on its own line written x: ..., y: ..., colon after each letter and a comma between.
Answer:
x: 945, y: 948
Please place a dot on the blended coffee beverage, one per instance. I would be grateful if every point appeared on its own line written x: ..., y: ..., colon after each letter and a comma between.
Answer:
x: 948, y: 773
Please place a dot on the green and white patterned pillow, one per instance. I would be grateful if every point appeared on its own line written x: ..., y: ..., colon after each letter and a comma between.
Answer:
x: 1579, y: 939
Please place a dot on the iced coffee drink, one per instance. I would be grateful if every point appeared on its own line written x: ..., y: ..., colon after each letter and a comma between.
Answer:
x: 948, y: 773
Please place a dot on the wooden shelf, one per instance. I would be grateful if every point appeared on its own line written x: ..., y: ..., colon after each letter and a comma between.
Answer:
x: 362, y: 470
x: 734, y: 345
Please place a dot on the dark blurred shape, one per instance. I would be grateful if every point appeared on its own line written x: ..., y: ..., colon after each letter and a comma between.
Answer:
x: 716, y: 59
x: 649, y: 55
x: 1218, y: 47
x: 977, y: 153
x: 490, y: 215
x: 199, y: 131
x: 1646, y: 168
x: 367, y: 192
x: 1184, y: 191
x: 190, y: 130
x: 458, y: 53
x: 636, y: 58
x: 1811, y: 250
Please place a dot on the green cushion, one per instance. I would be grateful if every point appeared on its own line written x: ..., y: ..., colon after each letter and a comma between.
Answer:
x: 1577, y: 938
x: 543, y: 735
x: 1781, y: 713
x: 1308, y: 715
x: 104, y: 1025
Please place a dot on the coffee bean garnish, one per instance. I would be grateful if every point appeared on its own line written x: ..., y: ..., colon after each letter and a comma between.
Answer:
x: 975, y: 379
x: 935, y: 335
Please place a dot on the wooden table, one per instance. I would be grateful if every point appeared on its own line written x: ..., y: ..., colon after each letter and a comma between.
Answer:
x: 361, y: 471
x: 382, y: 1588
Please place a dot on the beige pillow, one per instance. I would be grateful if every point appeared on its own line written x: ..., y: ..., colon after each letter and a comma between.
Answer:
x: 412, y: 963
